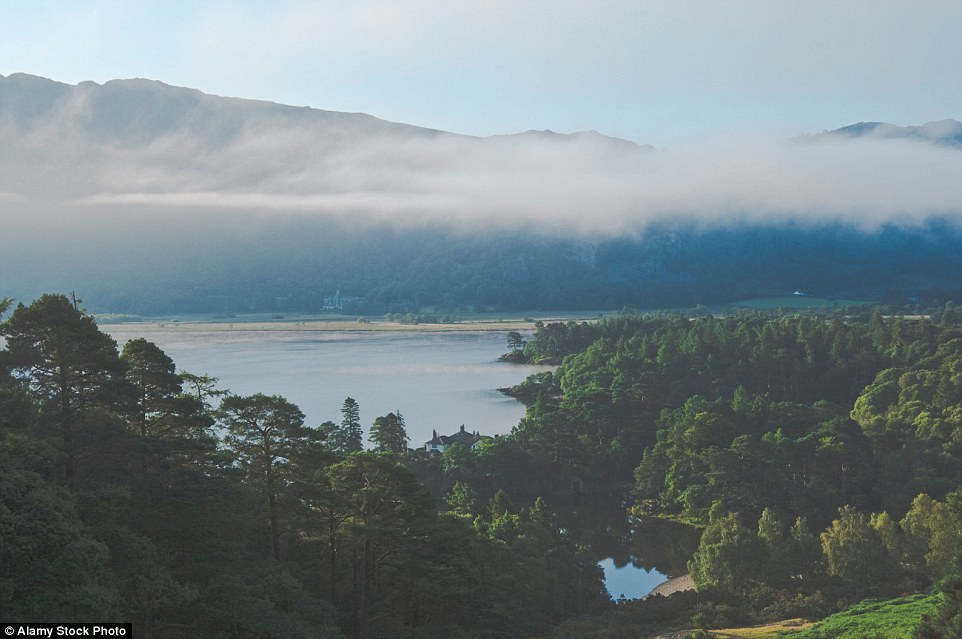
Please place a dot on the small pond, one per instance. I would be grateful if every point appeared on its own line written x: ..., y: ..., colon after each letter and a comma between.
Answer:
x: 637, y: 555
x: 629, y: 580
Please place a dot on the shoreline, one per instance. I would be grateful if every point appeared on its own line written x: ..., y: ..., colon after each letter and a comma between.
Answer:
x: 673, y: 585
x: 342, y: 325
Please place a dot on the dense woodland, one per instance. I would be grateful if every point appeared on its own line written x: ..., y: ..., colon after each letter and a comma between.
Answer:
x: 819, y: 456
x: 822, y: 455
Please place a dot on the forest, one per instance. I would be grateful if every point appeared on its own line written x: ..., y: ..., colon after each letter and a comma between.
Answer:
x: 291, y: 264
x: 818, y: 459
x: 820, y: 455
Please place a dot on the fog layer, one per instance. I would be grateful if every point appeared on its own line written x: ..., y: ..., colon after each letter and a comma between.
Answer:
x: 133, y: 146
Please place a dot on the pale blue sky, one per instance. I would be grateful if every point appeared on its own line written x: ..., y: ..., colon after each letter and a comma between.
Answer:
x: 655, y: 72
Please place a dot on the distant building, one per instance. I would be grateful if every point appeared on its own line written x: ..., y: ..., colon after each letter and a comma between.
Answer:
x: 438, y: 443
x: 333, y: 302
x: 337, y: 302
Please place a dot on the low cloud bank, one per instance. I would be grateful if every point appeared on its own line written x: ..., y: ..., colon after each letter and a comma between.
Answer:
x: 71, y: 160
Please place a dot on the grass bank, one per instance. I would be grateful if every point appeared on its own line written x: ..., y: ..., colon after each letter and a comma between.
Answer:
x: 887, y: 619
x: 869, y: 619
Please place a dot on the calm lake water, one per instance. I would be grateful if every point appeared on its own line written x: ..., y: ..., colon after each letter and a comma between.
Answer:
x: 437, y: 380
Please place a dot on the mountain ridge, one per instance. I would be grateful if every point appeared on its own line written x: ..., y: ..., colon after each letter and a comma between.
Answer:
x: 53, y: 89
x: 945, y: 132
x: 49, y: 94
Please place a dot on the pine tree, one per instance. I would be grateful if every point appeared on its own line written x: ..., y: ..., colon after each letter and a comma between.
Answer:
x: 388, y: 434
x: 351, y: 435
x: 266, y: 434
x: 71, y: 367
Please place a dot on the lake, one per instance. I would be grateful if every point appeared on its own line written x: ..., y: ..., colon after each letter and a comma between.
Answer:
x: 437, y: 380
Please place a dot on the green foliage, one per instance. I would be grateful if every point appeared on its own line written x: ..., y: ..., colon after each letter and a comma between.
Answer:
x: 801, y: 359
x: 726, y: 555
x: 203, y: 387
x: 854, y: 550
x: 707, y: 452
x: 463, y: 499
x: 53, y: 564
x: 347, y: 437
x: 888, y: 619
x: 753, y: 412
x: 600, y: 411
x: 161, y: 408
x: 71, y: 368
x: 266, y: 434
x: 914, y: 410
x: 63, y: 356
x: 114, y: 503
x: 516, y: 344
x: 859, y: 555
x: 933, y: 533
x: 389, y: 435
x: 946, y: 621
x: 459, y: 463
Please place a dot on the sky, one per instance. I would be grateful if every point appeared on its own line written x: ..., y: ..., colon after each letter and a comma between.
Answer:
x: 661, y: 73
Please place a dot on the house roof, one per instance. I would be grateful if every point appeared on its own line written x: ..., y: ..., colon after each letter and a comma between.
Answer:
x: 461, y: 437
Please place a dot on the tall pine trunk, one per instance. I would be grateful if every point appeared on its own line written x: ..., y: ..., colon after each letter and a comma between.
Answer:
x: 332, y: 542
x: 275, y: 525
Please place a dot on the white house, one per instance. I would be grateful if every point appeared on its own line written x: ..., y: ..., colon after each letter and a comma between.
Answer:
x: 438, y: 443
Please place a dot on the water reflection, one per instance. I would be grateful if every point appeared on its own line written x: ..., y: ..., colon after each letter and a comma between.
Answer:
x: 636, y: 554
x: 631, y: 580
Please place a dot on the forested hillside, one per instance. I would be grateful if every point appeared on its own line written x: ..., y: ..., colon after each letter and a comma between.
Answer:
x: 288, y: 264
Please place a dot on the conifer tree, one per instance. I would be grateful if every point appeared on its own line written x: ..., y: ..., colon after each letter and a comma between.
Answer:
x: 266, y: 434
x: 351, y: 440
x: 389, y: 435
x: 70, y: 366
